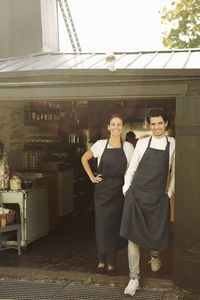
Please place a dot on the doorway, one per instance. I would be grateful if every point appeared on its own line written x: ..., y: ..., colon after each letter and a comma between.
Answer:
x: 71, y: 245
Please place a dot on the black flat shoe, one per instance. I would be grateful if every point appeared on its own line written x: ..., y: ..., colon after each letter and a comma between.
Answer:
x: 112, y: 273
x: 100, y: 271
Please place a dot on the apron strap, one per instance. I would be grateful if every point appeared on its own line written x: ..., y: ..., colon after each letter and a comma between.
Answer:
x: 106, y: 145
x: 103, y: 153
x: 122, y: 145
x: 168, y: 143
x: 149, y: 142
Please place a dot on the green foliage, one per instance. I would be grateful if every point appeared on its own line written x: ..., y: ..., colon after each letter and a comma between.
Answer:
x: 78, y: 282
x: 183, y: 19
x: 88, y: 281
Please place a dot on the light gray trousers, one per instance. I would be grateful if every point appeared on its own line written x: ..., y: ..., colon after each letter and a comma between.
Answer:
x: 134, y: 259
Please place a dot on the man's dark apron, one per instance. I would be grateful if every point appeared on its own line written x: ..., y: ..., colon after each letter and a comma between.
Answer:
x: 109, y: 200
x: 146, y: 214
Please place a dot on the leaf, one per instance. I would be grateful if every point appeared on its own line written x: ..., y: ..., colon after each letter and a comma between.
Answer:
x: 88, y: 281
x: 78, y: 282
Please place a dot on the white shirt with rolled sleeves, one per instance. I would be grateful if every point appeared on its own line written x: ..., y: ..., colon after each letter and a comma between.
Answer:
x: 139, y: 151
x: 100, y: 145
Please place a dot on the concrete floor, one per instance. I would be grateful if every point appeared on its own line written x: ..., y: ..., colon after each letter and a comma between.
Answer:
x: 69, y: 254
x: 71, y: 247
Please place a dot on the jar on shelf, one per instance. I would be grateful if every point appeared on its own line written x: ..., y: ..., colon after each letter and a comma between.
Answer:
x: 15, y: 183
x: 4, y: 174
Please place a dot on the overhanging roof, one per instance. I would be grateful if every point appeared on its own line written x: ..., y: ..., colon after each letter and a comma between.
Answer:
x: 168, y: 59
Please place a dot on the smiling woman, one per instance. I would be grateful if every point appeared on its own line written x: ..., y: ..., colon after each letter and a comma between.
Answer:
x: 113, y: 158
x: 115, y: 127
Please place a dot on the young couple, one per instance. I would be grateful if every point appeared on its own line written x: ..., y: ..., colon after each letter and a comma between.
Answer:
x: 131, y: 201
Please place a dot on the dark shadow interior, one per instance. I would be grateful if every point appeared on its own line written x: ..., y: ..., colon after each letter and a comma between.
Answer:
x: 72, y: 247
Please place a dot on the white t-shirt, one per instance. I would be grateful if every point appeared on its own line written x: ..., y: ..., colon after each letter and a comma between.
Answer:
x: 139, y: 151
x: 99, y: 147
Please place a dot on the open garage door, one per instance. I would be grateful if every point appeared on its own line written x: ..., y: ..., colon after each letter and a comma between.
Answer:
x: 186, y: 269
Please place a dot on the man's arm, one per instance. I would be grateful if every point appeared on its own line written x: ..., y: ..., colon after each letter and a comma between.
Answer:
x: 132, y: 168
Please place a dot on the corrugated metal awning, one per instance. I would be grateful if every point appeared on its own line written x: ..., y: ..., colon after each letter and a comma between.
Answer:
x: 169, y: 59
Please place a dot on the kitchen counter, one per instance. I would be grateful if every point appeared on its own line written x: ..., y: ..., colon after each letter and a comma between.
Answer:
x: 48, y: 180
x: 33, y: 210
x: 60, y: 190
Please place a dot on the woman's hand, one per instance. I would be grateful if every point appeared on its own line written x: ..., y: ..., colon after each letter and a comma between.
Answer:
x: 96, y: 179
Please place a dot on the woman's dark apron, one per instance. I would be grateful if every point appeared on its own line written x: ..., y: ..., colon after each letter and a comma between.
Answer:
x: 146, y: 214
x: 109, y: 199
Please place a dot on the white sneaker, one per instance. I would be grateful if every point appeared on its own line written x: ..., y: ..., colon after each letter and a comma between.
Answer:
x: 132, y: 287
x: 155, y: 264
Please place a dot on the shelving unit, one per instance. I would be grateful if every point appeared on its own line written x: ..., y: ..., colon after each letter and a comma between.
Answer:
x: 54, y: 138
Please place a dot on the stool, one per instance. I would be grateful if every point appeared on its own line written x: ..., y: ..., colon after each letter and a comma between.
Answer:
x: 8, y: 228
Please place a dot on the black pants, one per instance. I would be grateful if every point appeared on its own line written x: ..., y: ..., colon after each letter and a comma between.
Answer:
x: 111, y: 258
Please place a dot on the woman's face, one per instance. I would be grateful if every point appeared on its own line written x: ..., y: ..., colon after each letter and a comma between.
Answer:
x: 116, y: 127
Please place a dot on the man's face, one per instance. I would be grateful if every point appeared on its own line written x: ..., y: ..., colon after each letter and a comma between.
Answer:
x: 158, y: 126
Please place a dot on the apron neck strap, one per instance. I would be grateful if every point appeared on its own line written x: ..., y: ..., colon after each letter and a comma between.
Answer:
x: 149, y: 141
x: 107, y: 144
x: 166, y: 139
x: 167, y: 142
x: 122, y: 145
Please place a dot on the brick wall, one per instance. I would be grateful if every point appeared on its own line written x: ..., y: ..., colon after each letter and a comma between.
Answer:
x: 12, y: 132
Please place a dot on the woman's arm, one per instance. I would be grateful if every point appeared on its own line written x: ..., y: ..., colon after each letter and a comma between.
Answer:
x: 85, y: 162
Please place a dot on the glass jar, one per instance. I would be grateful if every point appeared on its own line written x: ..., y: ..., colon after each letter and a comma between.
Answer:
x: 4, y: 174
x: 15, y: 183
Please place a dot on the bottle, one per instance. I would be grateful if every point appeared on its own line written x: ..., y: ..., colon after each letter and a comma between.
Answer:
x: 37, y: 116
x: 42, y: 111
x: 29, y: 113
x: 45, y: 111
x: 33, y: 112
x: 58, y: 112
x: 54, y: 112
x: 3, y: 221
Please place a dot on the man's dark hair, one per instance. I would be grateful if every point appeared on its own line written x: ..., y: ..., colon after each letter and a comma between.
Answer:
x: 157, y: 113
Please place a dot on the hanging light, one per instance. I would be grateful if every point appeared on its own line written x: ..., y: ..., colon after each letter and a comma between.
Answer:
x: 110, y: 59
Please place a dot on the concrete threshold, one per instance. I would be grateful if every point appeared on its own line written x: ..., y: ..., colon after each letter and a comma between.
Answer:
x: 65, y: 276
x: 169, y: 289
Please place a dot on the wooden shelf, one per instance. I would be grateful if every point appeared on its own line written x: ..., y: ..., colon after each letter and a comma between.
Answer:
x: 32, y: 146
x: 38, y: 123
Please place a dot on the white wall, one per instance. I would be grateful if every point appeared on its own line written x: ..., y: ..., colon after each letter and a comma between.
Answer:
x: 28, y: 26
